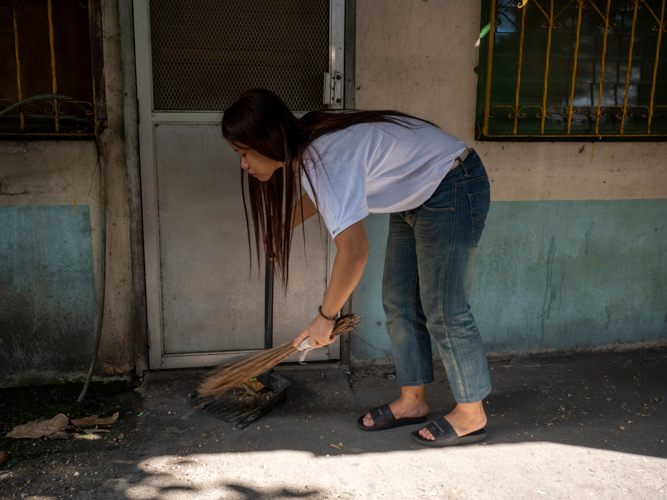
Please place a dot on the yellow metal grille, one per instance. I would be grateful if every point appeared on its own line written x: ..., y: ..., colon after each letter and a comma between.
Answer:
x: 45, y: 48
x: 572, y: 69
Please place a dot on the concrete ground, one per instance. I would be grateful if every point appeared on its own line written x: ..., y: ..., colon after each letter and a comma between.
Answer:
x: 581, y: 426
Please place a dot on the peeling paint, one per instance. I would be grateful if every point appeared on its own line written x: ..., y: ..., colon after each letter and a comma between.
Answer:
x: 45, y: 253
x: 551, y: 292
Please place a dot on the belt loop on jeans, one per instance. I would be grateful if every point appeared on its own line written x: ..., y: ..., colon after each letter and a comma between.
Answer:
x: 461, y: 161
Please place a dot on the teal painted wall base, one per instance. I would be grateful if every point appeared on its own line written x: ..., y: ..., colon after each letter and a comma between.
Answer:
x: 47, y: 289
x: 549, y: 275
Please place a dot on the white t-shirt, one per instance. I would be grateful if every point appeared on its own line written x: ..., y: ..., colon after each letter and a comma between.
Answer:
x: 377, y: 168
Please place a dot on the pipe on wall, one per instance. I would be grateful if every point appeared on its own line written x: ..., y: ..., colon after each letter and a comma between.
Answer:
x: 130, y: 115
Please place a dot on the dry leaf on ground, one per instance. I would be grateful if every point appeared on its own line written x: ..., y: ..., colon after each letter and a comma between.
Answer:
x: 3, y: 457
x: 60, y: 435
x: 95, y: 420
x: 34, y: 430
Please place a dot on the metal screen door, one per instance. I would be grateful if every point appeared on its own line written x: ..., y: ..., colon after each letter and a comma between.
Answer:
x: 195, y: 58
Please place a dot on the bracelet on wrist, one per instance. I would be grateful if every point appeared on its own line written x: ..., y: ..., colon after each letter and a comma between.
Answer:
x: 333, y: 318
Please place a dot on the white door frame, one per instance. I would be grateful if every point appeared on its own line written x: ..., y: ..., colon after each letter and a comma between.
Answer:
x: 148, y: 119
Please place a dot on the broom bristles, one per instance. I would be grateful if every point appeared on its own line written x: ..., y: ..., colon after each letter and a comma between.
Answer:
x: 225, y: 377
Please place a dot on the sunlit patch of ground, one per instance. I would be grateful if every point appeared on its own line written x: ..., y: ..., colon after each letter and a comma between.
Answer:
x: 512, y: 471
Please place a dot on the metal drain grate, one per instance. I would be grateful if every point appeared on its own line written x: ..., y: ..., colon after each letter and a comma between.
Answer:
x: 228, y: 409
x: 206, y: 53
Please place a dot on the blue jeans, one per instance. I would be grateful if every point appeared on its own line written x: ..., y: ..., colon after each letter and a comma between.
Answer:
x: 428, y: 276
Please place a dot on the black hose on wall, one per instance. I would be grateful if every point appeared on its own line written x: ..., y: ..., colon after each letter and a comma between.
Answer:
x: 103, y: 223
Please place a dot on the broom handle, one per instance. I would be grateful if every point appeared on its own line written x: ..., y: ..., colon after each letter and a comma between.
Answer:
x: 268, y: 301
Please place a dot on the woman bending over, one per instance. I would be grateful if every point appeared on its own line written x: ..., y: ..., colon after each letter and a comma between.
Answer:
x: 346, y: 165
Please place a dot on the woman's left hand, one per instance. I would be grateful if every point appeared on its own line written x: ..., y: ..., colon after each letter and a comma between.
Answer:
x: 319, y: 332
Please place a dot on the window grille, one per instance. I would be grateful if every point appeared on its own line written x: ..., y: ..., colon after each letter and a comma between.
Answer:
x: 51, y: 47
x: 206, y: 53
x: 559, y: 69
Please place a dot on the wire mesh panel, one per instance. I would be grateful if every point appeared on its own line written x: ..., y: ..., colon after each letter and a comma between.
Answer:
x: 206, y: 53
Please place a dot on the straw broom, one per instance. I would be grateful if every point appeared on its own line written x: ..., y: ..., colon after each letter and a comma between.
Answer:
x: 225, y: 377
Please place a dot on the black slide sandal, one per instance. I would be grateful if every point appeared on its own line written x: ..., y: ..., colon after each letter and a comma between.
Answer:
x: 383, y: 419
x: 445, y: 435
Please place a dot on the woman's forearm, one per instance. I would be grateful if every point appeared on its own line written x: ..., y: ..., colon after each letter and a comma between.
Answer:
x: 351, y: 257
x: 348, y: 267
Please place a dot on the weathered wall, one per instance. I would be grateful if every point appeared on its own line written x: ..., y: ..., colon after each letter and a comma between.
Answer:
x: 573, y: 250
x: 49, y: 255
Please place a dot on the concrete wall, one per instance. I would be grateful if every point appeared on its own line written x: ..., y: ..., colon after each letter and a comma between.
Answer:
x: 573, y: 250
x: 49, y: 254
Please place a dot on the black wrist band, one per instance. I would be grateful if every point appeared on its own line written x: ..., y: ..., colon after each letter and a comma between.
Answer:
x: 319, y: 309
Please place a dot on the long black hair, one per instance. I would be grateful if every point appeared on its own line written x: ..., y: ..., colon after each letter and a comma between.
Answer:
x: 261, y: 121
